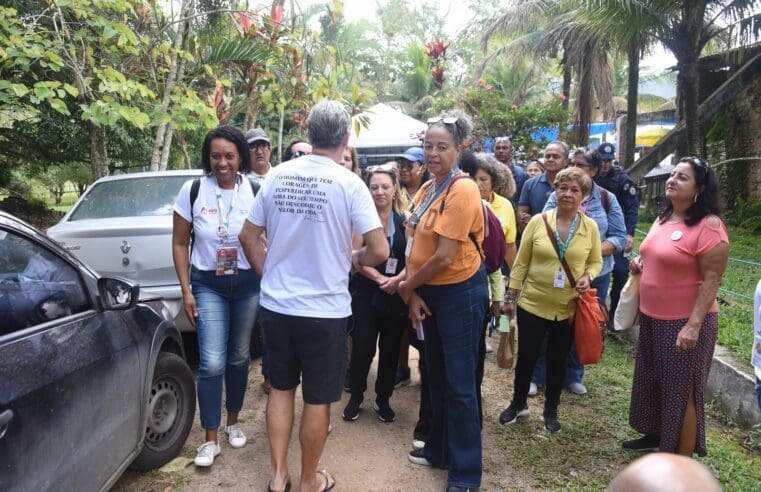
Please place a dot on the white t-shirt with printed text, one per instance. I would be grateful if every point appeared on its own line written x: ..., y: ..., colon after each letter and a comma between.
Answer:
x: 206, y: 216
x: 309, y: 207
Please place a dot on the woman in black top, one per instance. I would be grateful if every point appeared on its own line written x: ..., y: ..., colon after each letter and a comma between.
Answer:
x: 380, y: 315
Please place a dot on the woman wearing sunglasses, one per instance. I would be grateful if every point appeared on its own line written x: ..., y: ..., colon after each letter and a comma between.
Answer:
x: 446, y: 292
x: 682, y: 262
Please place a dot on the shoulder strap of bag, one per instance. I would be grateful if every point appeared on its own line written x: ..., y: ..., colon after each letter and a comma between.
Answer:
x: 193, y: 196
x: 255, y: 185
x: 551, y: 234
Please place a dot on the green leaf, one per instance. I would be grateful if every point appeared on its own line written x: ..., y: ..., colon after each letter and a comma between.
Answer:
x: 71, y: 90
x: 20, y: 90
x: 59, y: 106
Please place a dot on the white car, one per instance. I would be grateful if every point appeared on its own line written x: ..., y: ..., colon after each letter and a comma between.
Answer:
x: 122, y: 226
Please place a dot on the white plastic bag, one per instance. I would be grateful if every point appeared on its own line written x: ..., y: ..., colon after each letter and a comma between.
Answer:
x: 627, y: 311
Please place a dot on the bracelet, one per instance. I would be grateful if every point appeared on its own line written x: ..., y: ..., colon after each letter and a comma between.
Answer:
x: 511, y: 297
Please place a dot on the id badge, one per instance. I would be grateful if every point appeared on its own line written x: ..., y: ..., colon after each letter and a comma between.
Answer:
x: 227, y: 261
x: 391, y: 264
x: 408, y: 249
x: 559, y: 281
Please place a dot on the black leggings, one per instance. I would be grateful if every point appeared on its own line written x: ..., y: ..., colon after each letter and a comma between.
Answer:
x: 371, y: 327
x: 531, y: 331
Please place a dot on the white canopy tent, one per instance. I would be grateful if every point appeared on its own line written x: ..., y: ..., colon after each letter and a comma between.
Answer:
x: 388, y: 127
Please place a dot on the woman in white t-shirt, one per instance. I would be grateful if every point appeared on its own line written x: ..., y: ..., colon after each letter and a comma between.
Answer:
x: 224, y: 296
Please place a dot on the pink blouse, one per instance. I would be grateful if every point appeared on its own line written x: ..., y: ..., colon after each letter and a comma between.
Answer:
x: 671, y: 276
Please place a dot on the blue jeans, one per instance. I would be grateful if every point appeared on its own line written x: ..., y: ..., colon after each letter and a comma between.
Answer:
x: 227, y: 308
x: 574, y: 370
x: 452, y: 335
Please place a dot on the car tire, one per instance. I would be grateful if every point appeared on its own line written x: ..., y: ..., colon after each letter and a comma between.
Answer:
x: 257, y: 342
x: 171, y: 410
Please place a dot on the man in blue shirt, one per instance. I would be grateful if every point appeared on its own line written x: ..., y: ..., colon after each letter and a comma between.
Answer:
x: 503, y: 152
x: 537, y: 190
x: 613, y: 178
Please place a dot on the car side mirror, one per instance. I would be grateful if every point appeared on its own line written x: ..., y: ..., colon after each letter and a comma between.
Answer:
x: 117, y: 294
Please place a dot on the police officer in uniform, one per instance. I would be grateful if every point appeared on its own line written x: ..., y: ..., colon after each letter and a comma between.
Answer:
x: 613, y: 178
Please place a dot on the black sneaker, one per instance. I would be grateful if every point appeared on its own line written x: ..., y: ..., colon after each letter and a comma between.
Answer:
x: 551, y: 423
x: 416, y: 456
x: 402, y: 377
x: 511, y: 414
x: 385, y: 414
x: 351, y: 412
x: 648, y: 442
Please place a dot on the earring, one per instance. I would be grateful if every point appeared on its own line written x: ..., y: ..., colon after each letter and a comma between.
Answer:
x: 696, y: 198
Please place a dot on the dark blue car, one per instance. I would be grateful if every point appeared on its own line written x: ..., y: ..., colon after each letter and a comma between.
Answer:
x: 91, y: 380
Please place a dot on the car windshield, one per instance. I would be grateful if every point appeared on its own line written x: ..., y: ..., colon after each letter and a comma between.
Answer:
x: 150, y: 196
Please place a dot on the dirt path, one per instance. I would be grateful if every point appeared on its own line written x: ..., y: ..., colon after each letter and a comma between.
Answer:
x: 365, y: 455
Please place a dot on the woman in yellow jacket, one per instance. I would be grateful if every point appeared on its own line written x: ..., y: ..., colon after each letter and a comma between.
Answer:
x: 546, y: 301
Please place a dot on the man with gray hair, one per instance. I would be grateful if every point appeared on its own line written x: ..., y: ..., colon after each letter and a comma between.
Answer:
x: 308, y: 207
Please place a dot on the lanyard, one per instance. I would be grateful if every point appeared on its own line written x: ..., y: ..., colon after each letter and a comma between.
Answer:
x: 563, y: 247
x: 224, y: 220
x: 430, y: 197
x: 392, y: 229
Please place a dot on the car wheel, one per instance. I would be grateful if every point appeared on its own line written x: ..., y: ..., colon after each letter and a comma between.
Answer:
x: 171, y: 409
x: 257, y: 342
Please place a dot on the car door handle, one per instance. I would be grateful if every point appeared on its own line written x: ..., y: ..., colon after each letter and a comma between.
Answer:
x: 5, y: 418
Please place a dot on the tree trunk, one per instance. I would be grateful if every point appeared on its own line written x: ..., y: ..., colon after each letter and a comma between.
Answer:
x: 567, y: 76
x: 631, y: 106
x: 689, y: 80
x: 184, y: 149
x: 167, y: 147
x: 98, y: 156
x: 172, y: 77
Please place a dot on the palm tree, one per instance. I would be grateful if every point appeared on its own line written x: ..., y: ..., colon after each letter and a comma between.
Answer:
x: 548, y: 28
x: 684, y: 27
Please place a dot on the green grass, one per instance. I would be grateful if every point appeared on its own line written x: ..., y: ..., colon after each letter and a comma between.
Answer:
x: 587, y: 454
x: 735, y: 296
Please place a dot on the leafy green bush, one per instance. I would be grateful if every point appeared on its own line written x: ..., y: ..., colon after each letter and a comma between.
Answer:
x: 494, y: 115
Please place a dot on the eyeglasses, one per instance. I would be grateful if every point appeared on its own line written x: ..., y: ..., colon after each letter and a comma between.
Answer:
x: 258, y: 145
x: 404, y: 164
x: 580, y: 164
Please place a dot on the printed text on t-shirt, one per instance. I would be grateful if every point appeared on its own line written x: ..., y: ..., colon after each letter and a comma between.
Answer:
x: 301, y: 195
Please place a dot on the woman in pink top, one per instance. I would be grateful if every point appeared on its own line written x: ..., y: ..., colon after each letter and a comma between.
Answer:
x: 682, y: 261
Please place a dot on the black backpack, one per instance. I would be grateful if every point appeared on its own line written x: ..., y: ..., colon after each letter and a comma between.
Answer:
x: 195, y: 187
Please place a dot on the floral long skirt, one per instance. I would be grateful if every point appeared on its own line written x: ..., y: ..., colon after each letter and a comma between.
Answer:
x: 664, y: 377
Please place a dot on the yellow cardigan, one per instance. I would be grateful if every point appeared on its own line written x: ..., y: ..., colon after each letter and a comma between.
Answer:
x: 537, y: 262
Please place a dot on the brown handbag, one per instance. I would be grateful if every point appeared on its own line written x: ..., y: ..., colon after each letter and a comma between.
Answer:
x: 591, y: 321
x: 507, y: 353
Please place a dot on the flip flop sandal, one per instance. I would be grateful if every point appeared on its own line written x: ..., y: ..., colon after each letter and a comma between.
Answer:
x: 328, y: 478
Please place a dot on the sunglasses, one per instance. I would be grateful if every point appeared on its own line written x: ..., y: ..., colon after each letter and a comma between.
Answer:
x: 387, y: 168
x: 258, y: 145
x: 449, y: 121
x: 299, y: 153
x: 696, y: 161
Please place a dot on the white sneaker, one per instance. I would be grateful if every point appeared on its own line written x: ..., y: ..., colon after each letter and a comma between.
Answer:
x: 577, y: 389
x: 532, y: 389
x: 489, y: 348
x: 206, y: 453
x: 235, y: 436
